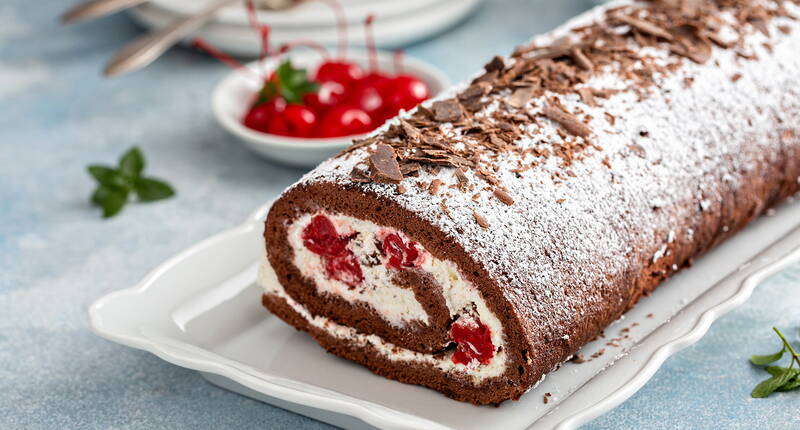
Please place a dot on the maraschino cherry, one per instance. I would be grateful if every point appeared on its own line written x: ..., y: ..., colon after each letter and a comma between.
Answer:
x: 345, y: 121
x: 321, y: 238
x: 341, y: 100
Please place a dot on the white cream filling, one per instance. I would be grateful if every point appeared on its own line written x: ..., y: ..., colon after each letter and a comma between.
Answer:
x: 460, y: 294
x: 396, y: 305
x: 268, y: 280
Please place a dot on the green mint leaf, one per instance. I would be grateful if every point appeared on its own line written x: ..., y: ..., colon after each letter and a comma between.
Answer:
x: 109, y: 177
x: 287, y: 74
x: 112, y: 200
x: 102, y: 174
x: 762, y: 360
x: 290, y: 95
x: 131, y: 164
x: 769, y: 386
x: 292, y: 84
x: 777, y: 370
x: 100, y: 194
x: 152, y: 189
x: 267, y: 93
x: 791, y: 385
x: 308, y: 87
x: 116, y: 185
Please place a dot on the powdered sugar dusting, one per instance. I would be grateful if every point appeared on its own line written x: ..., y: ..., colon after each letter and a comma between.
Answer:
x: 693, y: 138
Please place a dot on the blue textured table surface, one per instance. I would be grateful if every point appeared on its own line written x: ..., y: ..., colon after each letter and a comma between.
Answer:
x: 57, y: 115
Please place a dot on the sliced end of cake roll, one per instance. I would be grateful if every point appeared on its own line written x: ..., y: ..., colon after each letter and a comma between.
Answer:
x: 372, y: 282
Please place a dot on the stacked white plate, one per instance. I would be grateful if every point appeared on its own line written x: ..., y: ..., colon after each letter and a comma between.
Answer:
x: 397, y: 23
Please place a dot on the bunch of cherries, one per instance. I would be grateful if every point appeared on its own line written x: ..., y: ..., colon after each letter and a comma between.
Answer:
x: 341, y: 100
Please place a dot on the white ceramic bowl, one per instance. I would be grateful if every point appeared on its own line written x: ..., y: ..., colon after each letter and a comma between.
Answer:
x: 234, y: 94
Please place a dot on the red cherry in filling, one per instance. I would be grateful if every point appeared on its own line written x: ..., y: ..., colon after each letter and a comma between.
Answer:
x: 344, y: 268
x: 405, y: 92
x: 474, y: 341
x: 320, y: 237
x: 345, y: 121
x: 400, y: 254
x: 329, y: 95
x: 300, y: 120
x: 342, y: 72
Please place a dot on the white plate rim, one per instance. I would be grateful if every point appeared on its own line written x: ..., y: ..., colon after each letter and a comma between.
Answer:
x: 369, y: 412
x: 383, y: 417
x: 303, y: 15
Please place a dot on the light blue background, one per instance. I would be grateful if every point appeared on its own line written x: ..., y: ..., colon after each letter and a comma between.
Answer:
x: 57, y: 115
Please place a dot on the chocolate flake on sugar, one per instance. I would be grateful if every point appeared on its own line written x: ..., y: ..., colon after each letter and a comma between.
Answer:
x: 383, y: 165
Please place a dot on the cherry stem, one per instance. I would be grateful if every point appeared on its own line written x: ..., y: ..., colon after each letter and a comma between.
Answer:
x: 398, y: 61
x: 221, y: 56
x: 263, y: 32
x: 286, y: 47
x: 370, y: 39
x: 341, y: 25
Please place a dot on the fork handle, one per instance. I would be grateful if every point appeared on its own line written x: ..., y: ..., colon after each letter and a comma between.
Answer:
x: 149, y: 47
x: 97, y: 8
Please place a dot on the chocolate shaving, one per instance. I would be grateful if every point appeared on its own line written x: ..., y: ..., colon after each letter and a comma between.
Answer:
x: 558, y: 48
x: 486, y: 77
x: 480, y: 220
x: 423, y: 112
x: 503, y: 196
x: 444, y: 208
x: 497, y: 64
x: 475, y: 90
x: 581, y: 59
x: 587, y: 96
x: 434, y: 187
x: 521, y: 96
x: 760, y: 25
x: 449, y: 110
x: 699, y: 52
x: 383, y: 165
x: 570, y: 123
x: 410, y: 169
x: 461, y: 176
x: 360, y: 175
x: 410, y: 131
x: 643, y: 26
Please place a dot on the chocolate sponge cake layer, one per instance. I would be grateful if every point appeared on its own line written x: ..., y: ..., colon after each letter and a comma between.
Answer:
x: 474, y: 244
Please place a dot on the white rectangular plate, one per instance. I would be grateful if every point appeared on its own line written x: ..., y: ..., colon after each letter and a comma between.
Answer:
x: 202, y: 310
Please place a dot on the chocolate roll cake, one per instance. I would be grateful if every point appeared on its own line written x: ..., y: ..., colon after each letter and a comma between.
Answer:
x: 474, y: 244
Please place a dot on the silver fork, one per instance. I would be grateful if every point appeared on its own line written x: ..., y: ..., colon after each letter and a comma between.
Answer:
x: 96, y: 8
x: 149, y: 47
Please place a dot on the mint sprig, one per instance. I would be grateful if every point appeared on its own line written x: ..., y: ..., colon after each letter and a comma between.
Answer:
x: 290, y: 83
x: 116, y: 185
x: 782, y: 378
